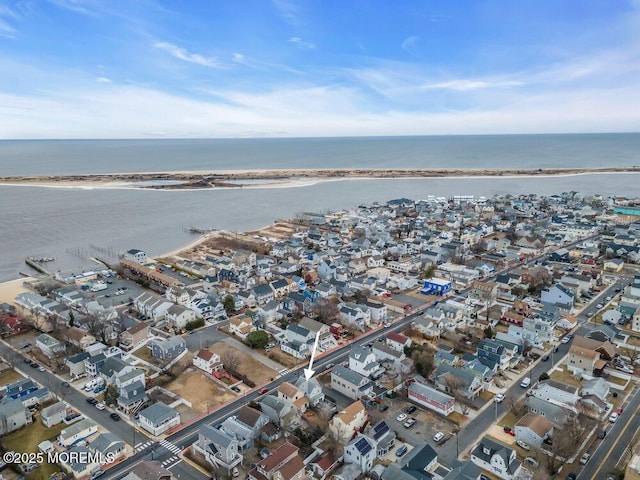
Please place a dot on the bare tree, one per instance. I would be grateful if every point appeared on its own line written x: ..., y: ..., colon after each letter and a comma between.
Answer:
x: 97, y: 327
x: 632, y: 353
x: 517, y: 406
x: 455, y: 386
x: 231, y: 360
x: 325, y: 310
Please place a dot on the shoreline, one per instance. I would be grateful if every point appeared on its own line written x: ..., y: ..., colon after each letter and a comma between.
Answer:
x: 284, y: 178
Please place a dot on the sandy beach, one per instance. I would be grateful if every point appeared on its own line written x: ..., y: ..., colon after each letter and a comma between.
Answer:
x: 192, y: 180
x: 9, y: 290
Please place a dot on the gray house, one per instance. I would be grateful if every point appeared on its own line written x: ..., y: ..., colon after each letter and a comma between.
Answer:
x: 274, y: 408
x: 53, y: 414
x: 13, y: 415
x: 108, y: 444
x: 350, y: 383
x: 167, y: 347
x: 158, y: 418
x: 75, y: 364
x: 218, y: 448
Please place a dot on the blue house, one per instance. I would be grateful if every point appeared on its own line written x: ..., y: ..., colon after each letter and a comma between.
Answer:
x: 21, y: 388
x: 436, y: 286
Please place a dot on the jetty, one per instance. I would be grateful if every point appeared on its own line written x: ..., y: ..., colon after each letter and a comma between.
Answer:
x: 33, y: 263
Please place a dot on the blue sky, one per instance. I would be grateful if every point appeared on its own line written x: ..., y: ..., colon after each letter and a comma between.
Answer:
x: 236, y: 68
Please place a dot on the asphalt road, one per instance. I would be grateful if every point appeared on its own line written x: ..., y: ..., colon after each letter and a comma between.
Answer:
x: 476, y: 428
x: 619, y: 435
x: 70, y: 395
x: 166, y: 452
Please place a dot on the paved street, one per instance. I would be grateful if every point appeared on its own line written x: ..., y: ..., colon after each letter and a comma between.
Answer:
x: 166, y: 451
x: 619, y: 435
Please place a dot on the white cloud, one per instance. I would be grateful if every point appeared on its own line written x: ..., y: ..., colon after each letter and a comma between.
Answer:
x: 103, y: 80
x: 238, y: 58
x: 184, y: 54
x: 468, y: 84
x: 289, y: 10
x: 410, y: 42
x: 298, y: 42
x: 7, y: 16
x: 126, y: 112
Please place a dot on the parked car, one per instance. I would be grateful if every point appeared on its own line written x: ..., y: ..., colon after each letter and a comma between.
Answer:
x: 92, y: 401
x: 602, y: 434
x: 438, y: 436
x: 65, y: 384
x: 34, y: 365
x: 26, y: 360
x: 619, y: 410
x: 100, y: 406
x: 115, y: 416
x: 235, y: 472
x: 572, y: 476
x: 96, y: 474
x: 263, y: 391
x: 509, y: 430
x: 410, y: 423
x: 534, y: 355
x: 384, y: 408
x: 235, y: 389
x: 584, y: 458
x: 613, y: 418
x: 401, y: 417
x: 410, y: 409
x: 41, y: 368
x: 599, y: 306
x: 26, y: 345
x: 401, y: 451
x: 526, y: 381
x: 498, y: 398
x: 523, y: 445
x: 545, y: 357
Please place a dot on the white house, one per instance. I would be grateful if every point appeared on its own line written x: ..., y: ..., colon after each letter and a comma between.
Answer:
x: 558, y: 392
x: 178, y: 316
x: 362, y: 360
x: 496, y: 458
x: 361, y: 451
x: 79, y: 430
x: 532, y: 429
x: 49, y: 345
x: 207, y: 361
x: 137, y: 256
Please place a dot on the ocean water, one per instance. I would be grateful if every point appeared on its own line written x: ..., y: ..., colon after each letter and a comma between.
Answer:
x: 73, y: 224
x: 57, y: 157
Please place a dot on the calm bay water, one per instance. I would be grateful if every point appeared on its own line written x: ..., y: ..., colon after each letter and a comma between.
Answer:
x: 64, y: 223
x: 69, y: 223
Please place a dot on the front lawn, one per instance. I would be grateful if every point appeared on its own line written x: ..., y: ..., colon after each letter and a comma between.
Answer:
x: 27, y: 439
x: 9, y: 376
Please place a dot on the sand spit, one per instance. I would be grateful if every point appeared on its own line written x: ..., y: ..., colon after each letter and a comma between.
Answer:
x: 181, y: 180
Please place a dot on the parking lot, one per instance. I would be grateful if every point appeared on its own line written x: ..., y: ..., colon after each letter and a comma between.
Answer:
x: 427, y: 423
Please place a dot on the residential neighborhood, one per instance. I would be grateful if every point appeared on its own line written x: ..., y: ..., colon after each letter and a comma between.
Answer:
x: 361, y: 343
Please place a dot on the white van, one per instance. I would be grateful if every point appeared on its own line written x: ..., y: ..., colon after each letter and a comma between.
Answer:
x: 526, y: 381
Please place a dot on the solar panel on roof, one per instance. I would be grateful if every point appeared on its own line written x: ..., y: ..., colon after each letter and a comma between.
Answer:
x: 380, y: 429
x: 363, y: 446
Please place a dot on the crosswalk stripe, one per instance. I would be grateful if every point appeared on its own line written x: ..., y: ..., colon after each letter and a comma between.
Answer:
x: 174, y: 464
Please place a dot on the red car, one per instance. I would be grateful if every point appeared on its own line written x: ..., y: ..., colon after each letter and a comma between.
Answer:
x: 509, y: 430
x: 619, y: 410
x: 263, y: 391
